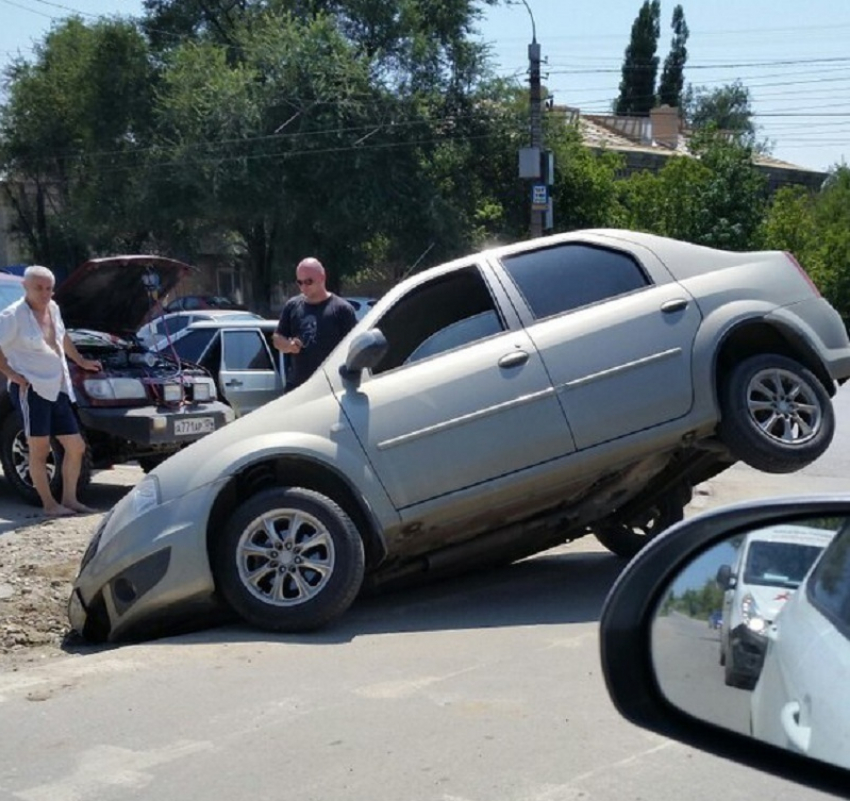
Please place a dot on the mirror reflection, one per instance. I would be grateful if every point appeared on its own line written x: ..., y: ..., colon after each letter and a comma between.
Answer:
x: 754, y: 635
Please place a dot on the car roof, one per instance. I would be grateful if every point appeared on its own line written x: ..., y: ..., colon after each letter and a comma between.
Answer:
x: 790, y: 533
x: 235, y: 314
x: 236, y: 322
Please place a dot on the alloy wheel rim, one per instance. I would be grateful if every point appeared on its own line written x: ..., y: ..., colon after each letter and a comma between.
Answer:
x: 784, y: 407
x: 21, y: 460
x: 285, y: 557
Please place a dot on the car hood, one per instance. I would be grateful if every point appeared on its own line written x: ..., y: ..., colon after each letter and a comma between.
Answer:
x: 770, y: 600
x: 110, y: 294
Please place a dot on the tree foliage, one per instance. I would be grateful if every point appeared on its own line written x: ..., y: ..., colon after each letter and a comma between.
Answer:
x: 725, y: 108
x: 69, y: 135
x: 815, y: 227
x: 673, y: 74
x: 640, y: 65
x: 366, y: 132
x: 715, y: 199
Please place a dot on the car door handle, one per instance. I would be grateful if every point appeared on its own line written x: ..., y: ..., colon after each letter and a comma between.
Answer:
x: 671, y: 306
x: 234, y: 382
x: 513, y: 359
x: 798, y: 735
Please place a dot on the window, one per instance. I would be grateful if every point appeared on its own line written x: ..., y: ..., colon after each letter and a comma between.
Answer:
x: 779, y: 564
x: 246, y: 350
x: 427, y: 320
x: 829, y: 583
x: 565, y: 277
x: 191, y: 347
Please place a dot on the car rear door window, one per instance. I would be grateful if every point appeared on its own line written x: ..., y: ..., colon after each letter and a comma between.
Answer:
x: 442, y: 314
x: 246, y: 350
x: 564, y: 277
x: 829, y: 583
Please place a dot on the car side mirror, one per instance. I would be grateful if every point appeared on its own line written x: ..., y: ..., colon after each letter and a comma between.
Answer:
x: 666, y: 673
x: 365, y: 351
x: 724, y: 577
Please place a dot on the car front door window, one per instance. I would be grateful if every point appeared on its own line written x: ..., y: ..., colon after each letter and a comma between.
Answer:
x: 426, y: 321
x: 449, y: 405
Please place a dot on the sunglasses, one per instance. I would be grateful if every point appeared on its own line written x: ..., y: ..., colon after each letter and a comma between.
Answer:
x: 304, y: 281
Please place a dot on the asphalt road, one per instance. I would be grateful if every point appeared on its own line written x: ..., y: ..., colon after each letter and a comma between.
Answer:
x: 487, y: 687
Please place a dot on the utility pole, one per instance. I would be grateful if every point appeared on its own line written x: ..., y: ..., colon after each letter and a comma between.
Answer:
x: 536, y: 124
x: 535, y: 163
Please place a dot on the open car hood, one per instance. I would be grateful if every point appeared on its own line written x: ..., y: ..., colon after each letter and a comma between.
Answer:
x: 110, y: 294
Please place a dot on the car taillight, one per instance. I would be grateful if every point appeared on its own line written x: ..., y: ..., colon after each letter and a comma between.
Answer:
x: 805, y: 275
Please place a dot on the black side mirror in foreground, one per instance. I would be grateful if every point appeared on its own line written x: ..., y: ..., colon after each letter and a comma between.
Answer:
x: 758, y: 673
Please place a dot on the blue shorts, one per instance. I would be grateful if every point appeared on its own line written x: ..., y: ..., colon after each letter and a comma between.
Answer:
x: 44, y: 418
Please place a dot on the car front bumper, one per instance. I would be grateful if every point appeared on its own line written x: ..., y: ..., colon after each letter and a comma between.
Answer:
x: 747, y: 650
x: 158, y: 425
x: 147, y: 573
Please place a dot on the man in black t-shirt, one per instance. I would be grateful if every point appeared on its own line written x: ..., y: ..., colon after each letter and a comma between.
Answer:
x: 311, y: 324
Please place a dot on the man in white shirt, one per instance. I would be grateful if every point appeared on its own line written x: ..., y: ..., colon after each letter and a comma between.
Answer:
x: 33, y: 347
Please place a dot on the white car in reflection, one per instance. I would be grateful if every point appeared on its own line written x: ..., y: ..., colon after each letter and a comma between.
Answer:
x: 770, y: 565
x: 802, y: 699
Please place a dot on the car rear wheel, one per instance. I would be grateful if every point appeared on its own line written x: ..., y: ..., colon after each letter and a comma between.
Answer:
x: 289, y: 559
x: 15, y: 458
x: 626, y: 537
x: 775, y: 414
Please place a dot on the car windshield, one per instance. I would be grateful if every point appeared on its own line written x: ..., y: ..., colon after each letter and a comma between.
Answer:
x: 779, y: 564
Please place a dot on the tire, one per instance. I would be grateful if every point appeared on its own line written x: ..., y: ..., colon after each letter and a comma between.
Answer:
x: 626, y: 538
x: 266, y: 585
x: 731, y: 678
x: 14, y: 457
x: 775, y: 414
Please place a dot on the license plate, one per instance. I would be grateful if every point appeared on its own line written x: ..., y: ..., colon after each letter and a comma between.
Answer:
x: 194, y: 426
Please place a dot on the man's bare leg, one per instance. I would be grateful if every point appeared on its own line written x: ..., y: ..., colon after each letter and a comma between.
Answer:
x: 75, y: 448
x: 39, y: 451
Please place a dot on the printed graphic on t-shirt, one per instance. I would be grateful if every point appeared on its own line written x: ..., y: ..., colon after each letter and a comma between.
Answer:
x: 308, y: 330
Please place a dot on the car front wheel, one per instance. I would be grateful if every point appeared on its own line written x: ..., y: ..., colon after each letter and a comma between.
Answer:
x: 290, y: 559
x: 775, y: 414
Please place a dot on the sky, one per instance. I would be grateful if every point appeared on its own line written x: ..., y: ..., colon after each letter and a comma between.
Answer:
x: 793, y: 55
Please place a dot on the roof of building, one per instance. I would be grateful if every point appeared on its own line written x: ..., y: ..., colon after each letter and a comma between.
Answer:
x: 635, y: 134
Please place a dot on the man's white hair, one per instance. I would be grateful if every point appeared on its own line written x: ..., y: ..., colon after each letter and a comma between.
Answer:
x: 37, y: 271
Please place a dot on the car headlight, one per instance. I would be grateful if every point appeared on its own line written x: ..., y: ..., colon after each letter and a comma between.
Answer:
x: 204, y: 391
x: 145, y: 495
x: 115, y: 388
x: 142, y: 498
x: 750, y: 615
x: 172, y: 393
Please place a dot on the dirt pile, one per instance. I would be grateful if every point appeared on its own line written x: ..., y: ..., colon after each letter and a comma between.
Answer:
x: 38, y: 564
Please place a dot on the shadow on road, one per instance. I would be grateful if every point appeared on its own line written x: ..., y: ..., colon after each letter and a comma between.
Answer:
x: 549, y: 589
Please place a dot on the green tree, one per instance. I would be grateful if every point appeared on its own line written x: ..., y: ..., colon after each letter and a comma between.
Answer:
x: 715, y: 199
x: 815, y: 227
x: 640, y: 65
x: 586, y: 193
x: 69, y: 137
x: 727, y: 108
x: 366, y: 143
x: 673, y: 74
